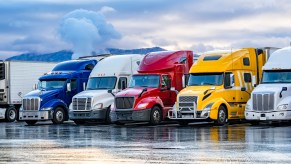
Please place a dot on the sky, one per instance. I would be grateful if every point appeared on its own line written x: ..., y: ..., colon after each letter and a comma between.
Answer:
x: 198, y: 25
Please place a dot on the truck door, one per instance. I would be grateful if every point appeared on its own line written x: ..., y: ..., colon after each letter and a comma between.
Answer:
x: 165, y: 92
x: 74, y: 91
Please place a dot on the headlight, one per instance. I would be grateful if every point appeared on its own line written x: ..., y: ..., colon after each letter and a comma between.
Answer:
x: 48, y: 108
x: 21, y: 107
x: 71, y: 106
x: 248, y: 107
x: 142, y: 105
x: 98, y: 106
x: 208, y: 107
x: 282, y: 107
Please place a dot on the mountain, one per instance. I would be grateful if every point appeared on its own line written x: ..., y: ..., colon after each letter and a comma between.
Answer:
x: 66, y: 54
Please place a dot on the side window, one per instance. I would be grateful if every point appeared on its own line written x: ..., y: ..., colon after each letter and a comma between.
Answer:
x: 73, y: 84
x: 228, y: 80
x: 122, y: 83
x: 246, y: 61
x: 166, y: 81
x: 247, y: 77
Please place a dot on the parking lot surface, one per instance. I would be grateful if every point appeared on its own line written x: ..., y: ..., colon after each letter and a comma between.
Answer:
x: 196, y: 143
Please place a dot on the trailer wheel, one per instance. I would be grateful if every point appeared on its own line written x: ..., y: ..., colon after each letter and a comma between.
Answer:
x: 30, y: 122
x: 79, y: 122
x: 156, y: 116
x: 58, y: 116
x: 107, y: 119
x: 11, y: 114
x: 222, y: 116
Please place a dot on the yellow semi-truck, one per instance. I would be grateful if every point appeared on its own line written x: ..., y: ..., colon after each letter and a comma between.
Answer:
x: 219, y: 85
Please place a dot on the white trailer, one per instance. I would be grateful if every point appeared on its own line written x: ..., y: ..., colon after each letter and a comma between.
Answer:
x: 111, y: 74
x: 16, y: 79
x: 271, y: 99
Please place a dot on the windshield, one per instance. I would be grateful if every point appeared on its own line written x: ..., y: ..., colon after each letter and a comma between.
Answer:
x: 198, y: 79
x: 96, y: 83
x: 151, y: 81
x: 276, y: 77
x: 51, y: 84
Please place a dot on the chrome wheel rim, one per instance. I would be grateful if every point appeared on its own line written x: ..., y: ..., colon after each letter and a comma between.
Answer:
x: 59, y: 116
x: 156, y: 116
x: 221, y: 116
x: 12, y: 114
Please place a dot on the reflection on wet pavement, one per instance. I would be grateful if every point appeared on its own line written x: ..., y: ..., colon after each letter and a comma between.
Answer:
x: 202, y: 143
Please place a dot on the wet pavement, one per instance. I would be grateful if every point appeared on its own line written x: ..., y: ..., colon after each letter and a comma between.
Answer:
x: 197, y: 143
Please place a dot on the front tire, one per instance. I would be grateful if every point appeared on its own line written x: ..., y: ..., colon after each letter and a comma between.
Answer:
x: 31, y: 122
x: 221, y: 116
x: 11, y: 114
x: 58, y: 116
x: 156, y: 116
x: 107, y: 119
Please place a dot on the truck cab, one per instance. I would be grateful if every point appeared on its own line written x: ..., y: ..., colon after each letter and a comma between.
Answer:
x: 152, y: 92
x: 219, y: 86
x: 55, y: 91
x: 271, y: 99
x: 111, y: 74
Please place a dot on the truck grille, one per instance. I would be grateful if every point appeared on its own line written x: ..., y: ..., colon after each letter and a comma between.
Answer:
x: 263, y: 101
x: 186, y: 103
x: 82, y: 103
x: 124, y: 102
x: 31, y: 103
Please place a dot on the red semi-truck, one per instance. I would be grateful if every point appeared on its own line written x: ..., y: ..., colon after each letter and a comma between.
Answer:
x: 152, y: 92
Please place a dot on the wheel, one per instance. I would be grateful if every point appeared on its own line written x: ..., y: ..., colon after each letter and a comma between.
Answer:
x: 58, y: 116
x: 107, y: 119
x: 79, y: 122
x: 156, y: 116
x: 254, y: 123
x: 119, y: 123
x: 183, y: 123
x: 222, y: 116
x: 31, y: 122
x: 11, y: 114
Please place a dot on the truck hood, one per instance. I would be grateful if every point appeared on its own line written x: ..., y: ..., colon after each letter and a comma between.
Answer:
x: 43, y: 94
x: 92, y: 93
x: 197, y: 90
x: 134, y: 92
x: 271, y: 88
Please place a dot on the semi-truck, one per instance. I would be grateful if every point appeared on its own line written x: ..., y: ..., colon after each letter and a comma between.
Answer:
x: 112, y: 73
x: 16, y: 79
x: 219, y: 86
x: 271, y: 99
x: 152, y: 92
x: 55, y: 89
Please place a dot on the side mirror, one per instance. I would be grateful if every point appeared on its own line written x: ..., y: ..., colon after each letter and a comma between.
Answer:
x: 185, y: 79
x: 231, y: 80
x: 84, y: 86
x: 34, y: 87
x: 284, y: 88
x: 254, y: 81
x: 110, y: 91
x: 69, y: 89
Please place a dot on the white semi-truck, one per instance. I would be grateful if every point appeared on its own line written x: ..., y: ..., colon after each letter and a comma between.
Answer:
x: 271, y: 99
x: 108, y: 77
x: 16, y: 79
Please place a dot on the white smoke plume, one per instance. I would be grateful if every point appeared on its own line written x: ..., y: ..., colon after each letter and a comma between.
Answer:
x: 87, y: 31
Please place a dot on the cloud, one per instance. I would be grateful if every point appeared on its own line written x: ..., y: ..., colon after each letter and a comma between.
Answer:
x: 86, y: 31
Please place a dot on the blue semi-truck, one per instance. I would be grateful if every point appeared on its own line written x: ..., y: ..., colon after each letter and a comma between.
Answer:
x: 54, y: 92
